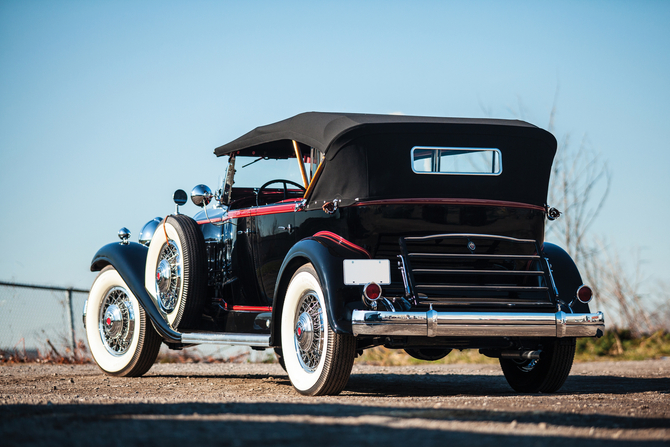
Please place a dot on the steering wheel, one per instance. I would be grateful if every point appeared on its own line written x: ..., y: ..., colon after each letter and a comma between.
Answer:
x: 284, y: 182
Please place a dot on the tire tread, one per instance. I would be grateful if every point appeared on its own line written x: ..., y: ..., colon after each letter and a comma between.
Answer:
x: 195, y: 268
x: 549, y: 374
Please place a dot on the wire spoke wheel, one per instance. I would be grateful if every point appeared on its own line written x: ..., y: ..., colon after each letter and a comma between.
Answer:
x: 317, y: 359
x: 309, y: 335
x: 117, y: 321
x: 176, y: 271
x: 168, y: 276
x: 122, y: 340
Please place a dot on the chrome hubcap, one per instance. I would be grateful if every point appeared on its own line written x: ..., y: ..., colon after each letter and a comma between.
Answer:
x: 168, y: 276
x: 117, y: 321
x: 304, y: 331
x: 309, y: 331
x: 113, y: 321
x: 163, y: 276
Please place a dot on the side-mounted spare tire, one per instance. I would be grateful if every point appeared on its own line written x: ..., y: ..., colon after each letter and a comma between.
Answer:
x: 176, y: 271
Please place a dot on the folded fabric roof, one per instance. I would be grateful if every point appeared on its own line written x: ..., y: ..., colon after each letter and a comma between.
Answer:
x: 329, y: 131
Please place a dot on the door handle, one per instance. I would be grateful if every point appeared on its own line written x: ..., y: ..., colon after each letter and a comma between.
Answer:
x: 288, y: 228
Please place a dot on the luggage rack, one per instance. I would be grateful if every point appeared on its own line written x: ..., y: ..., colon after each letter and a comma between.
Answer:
x: 488, y: 270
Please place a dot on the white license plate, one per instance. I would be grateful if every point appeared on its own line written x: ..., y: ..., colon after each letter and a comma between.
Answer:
x: 363, y: 271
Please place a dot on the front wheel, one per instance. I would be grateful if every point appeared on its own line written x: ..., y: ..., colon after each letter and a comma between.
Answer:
x: 121, y: 338
x: 317, y: 359
x: 544, y: 375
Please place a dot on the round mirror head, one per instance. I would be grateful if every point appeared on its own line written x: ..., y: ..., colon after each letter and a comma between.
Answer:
x: 201, y: 195
x: 180, y: 197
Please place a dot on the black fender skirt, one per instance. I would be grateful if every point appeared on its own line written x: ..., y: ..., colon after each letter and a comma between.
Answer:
x: 129, y: 260
x: 566, y: 276
x: 327, y: 257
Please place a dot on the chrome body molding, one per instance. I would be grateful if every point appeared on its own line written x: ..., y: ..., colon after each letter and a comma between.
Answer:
x: 257, y: 340
x: 83, y: 312
x: 477, y: 324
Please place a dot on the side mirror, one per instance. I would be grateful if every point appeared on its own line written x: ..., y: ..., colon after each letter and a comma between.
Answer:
x: 201, y: 195
x: 179, y: 198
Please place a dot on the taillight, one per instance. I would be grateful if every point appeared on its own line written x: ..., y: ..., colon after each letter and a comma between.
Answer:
x: 584, y: 294
x: 372, y: 291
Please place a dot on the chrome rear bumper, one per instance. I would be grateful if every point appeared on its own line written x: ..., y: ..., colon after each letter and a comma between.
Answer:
x: 477, y: 324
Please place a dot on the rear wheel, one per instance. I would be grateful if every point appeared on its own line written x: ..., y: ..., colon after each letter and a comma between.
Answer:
x: 121, y: 338
x: 544, y: 375
x: 317, y: 359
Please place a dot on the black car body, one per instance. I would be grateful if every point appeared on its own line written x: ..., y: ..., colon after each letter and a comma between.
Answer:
x: 424, y: 234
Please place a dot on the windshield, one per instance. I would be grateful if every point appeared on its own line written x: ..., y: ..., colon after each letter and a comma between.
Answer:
x: 252, y: 172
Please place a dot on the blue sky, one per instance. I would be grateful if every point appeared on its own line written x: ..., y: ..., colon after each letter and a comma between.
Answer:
x: 107, y: 107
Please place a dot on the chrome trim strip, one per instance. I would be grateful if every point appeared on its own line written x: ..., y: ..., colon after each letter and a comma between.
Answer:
x: 466, y: 235
x: 493, y: 288
x: 477, y: 324
x: 481, y: 272
x: 260, y: 340
x: 474, y: 256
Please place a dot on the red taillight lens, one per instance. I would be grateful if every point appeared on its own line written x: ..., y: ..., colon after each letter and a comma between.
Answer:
x: 372, y: 291
x: 584, y: 294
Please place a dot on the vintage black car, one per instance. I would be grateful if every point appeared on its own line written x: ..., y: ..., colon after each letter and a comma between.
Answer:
x: 416, y: 233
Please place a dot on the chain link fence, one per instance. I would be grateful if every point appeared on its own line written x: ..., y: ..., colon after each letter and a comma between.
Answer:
x: 39, y: 318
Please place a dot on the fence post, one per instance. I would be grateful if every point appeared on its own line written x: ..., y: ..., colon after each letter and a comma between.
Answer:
x: 72, y: 334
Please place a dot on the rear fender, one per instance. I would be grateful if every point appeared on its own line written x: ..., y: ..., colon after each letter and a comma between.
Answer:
x: 129, y: 260
x: 326, y: 254
x: 566, y: 276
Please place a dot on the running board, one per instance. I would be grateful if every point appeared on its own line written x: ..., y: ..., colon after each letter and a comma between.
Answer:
x: 255, y: 340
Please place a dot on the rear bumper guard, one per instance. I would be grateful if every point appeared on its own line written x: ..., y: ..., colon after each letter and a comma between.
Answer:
x: 477, y: 324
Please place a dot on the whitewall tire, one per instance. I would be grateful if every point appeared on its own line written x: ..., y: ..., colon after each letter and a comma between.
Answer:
x: 120, y: 336
x: 175, y: 274
x: 317, y: 359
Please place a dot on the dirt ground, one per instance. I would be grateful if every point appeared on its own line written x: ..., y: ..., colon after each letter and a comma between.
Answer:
x: 254, y: 404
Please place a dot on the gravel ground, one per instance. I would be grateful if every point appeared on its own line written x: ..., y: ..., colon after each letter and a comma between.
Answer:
x: 607, y: 403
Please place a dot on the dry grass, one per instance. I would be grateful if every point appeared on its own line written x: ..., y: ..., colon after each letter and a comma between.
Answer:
x: 49, y: 355
x: 614, y: 345
x: 620, y: 344
x: 195, y: 357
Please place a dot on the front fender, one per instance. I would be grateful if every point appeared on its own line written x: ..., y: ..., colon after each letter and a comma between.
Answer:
x: 327, y: 258
x: 566, y: 276
x: 129, y: 260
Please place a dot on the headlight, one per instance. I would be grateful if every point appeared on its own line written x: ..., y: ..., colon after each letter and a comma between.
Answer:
x: 148, y: 230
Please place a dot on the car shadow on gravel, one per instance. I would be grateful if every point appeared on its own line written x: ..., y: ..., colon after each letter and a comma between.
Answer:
x: 422, y: 385
x: 285, y: 424
x: 427, y: 384
x: 322, y: 409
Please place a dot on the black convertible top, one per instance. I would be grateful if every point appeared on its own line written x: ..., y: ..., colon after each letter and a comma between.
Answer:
x: 329, y: 131
x: 368, y: 157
